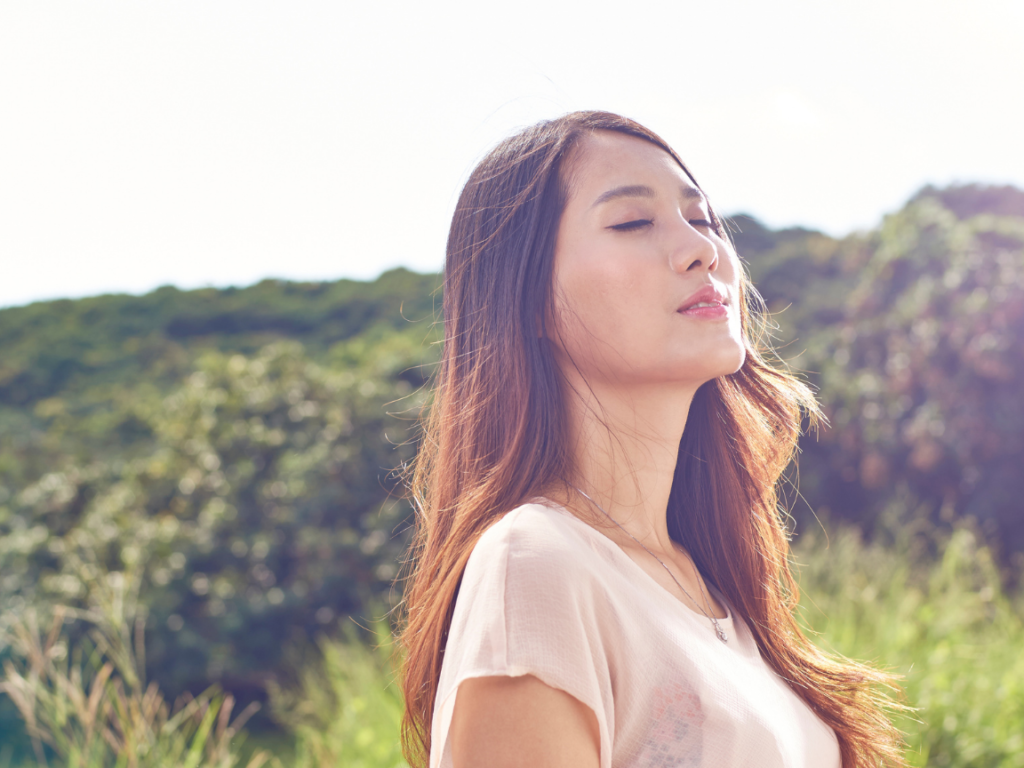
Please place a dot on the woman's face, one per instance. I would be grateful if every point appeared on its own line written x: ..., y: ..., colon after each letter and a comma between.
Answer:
x: 645, y: 291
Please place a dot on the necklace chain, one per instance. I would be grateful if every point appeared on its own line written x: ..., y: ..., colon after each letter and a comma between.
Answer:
x: 708, y: 613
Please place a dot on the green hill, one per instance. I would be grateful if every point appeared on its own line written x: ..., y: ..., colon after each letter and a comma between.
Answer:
x: 54, y: 348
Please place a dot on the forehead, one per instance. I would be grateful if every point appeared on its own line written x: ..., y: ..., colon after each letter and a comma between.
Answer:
x: 607, y: 159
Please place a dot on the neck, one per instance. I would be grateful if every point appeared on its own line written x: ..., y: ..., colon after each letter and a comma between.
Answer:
x: 625, y: 443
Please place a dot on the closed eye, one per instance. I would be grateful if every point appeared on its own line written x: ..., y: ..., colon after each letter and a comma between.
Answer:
x: 629, y: 226
x: 701, y: 223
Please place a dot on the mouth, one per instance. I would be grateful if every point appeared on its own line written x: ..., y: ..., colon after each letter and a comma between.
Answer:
x: 707, y: 302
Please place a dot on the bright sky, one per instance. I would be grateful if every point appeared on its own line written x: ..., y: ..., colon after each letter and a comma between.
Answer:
x: 217, y: 143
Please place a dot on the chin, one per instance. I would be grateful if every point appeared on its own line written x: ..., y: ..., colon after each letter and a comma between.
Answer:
x: 741, y: 358
x: 727, y: 361
x: 727, y: 368
x: 710, y: 367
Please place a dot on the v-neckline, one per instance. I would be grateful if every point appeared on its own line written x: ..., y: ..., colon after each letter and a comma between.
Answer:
x: 727, y: 622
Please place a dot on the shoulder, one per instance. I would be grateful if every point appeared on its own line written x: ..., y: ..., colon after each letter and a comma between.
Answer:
x: 536, y: 531
x: 528, y: 605
x: 535, y: 541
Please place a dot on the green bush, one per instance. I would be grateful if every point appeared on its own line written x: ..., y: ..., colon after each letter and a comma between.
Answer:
x: 257, y: 510
x: 914, y: 333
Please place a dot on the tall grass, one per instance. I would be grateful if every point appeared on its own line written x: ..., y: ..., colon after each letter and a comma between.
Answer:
x: 89, y: 706
x: 346, y: 709
x: 944, y: 624
x: 940, y: 620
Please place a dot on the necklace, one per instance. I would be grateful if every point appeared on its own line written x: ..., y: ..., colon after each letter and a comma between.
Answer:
x: 714, y: 621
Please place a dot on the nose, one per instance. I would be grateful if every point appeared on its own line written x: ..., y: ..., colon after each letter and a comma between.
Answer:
x: 692, y: 249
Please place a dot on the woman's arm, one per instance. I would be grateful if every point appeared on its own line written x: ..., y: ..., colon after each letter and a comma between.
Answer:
x: 519, y: 722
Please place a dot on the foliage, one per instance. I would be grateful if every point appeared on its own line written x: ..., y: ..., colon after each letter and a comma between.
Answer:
x: 347, y: 708
x: 915, y: 336
x: 91, y: 705
x: 258, y: 507
x: 944, y: 624
x: 970, y: 200
x: 59, y: 347
x: 929, y: 393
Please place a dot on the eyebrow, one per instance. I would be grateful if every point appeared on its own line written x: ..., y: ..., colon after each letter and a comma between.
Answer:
x: 641, y: 190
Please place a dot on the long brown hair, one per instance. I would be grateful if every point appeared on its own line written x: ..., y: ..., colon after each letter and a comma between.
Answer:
x: 495, y: 437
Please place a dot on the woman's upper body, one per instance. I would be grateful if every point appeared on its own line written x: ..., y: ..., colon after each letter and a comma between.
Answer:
x: 602, y: 351
x: 547, y: 595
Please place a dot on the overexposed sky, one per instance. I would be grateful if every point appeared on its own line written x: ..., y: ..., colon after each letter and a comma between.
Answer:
x: 218, y: 143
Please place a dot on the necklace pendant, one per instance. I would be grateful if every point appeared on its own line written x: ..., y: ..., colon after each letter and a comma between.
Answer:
x: 721, y: 633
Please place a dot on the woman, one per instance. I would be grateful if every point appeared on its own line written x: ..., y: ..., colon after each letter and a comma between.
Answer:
x: 601, y: 573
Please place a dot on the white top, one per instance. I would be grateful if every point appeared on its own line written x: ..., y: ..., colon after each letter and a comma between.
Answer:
x: 548, y: 595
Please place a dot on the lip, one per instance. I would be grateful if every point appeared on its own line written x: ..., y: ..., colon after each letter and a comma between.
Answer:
x: 716, y: 301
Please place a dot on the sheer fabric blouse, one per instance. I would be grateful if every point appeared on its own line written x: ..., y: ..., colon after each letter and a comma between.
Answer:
x: 546, y: 594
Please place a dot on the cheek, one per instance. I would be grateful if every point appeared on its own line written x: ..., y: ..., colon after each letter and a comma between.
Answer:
x: 595, y: 294
x: 731, y: 269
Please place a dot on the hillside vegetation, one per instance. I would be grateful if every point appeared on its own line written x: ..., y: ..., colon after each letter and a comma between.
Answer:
x: 235, y: 454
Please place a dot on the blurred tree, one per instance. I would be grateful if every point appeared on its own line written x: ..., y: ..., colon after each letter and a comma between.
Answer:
x: 970, y: 200
x: 262, y: 506
x: 915, y: 336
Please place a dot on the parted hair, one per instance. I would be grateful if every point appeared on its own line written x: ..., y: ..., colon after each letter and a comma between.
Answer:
x: 495, y: 437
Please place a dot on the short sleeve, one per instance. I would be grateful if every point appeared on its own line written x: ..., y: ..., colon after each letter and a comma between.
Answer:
x: 527, y: 605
